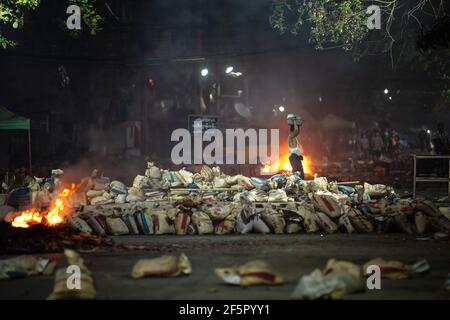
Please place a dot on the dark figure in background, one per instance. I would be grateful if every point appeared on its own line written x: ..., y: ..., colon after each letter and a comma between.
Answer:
x: 441, y: 140
x: 441, y: 144
x: 295, y: 157
x: 377, y: 144
x: 394, y: 144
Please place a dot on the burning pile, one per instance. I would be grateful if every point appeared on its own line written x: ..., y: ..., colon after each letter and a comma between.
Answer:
x: 59, y: 208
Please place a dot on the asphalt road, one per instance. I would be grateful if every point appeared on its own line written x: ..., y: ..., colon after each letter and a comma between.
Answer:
x: 291, y: 255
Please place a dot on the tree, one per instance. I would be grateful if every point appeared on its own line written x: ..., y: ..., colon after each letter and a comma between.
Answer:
x: 13, y: 12
x: 413, y: 32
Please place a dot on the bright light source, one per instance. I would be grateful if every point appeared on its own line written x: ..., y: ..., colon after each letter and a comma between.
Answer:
x: 386, y: 91
x: 428, y: 131
x: 281, y: 108
x: 390, y: 98
x: 229, y: 69
x: 204, y: 72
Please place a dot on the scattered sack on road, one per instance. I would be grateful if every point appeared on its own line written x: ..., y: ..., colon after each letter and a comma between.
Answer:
x: 334, y: 282
x: 61, y: 290
x: 398, y: 270
x: 251, y: 273
x: 164, y: 266
x: 24, y: 266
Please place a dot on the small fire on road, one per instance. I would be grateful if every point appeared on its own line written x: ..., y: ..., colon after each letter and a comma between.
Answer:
x: 58, y: 209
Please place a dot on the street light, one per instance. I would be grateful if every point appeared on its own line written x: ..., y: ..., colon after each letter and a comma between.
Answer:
x: 281, y: 108
x: 229, y: 69
x: 390, y: 97
x: 386, y: 91
x: 204, y: 72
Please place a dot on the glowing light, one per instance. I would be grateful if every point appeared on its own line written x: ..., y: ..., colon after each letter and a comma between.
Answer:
x: 282, y: 164
x: 281, y: 108
x: 204, y: 72
x: 229, y: 69
x: 386, y: 91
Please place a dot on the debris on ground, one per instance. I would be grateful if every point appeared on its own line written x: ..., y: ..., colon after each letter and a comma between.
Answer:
x: 334, y: 282
x: 398, y: 270
x: 66, y: 286
x: 164, y: 266
x: 24, y: 266
x: 251, y: 273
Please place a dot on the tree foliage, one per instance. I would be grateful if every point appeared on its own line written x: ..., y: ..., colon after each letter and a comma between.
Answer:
x: 13, y: 12
x: 413, y: 32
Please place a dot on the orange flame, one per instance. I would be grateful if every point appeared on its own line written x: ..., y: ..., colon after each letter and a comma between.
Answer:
x: 282, y: 164
x: 53, y: 217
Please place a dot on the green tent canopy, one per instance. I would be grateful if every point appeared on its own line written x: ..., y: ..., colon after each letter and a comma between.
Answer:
x: 12, y: 121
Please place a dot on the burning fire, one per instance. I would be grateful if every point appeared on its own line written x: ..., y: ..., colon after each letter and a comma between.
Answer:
x: 283, y: 165
x: 52, y: 217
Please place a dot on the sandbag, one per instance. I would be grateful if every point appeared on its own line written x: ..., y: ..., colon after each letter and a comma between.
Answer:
x: 101, y: 200
x: 326, y: 204
x: 293, y: 227
x: 344, y: 222
x: 140, y: 182
x: 420, y: 221
x: 404, y: 207
x: 61, y: 291
x: 161, y: 223
x: 397, y: 269
x: 164, y: 266
x: 118, y: 187
x: 320, y: 184
x: 376, y: 190
x: 130, y: 221
x: 135, y: 192
x: 182, y: 221
x: 324, y: 222
x: 121, y: 199
x: 428, y: 208
x: 252, y: 273
x: 360, y: 221
x: 134, y: 198
x: 309, y: 221
x: 225, y: 226
x: 97, y: 223
x: 116, y: 226
x: 144, y: 222
x: 217, y: 211
x: 202, y: 223
x: 274, y: 220
x: 94, y: 193
x: 78, y: 224
x: 277, y: 195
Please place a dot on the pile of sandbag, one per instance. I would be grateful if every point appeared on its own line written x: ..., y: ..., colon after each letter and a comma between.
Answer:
x: 210, y: 202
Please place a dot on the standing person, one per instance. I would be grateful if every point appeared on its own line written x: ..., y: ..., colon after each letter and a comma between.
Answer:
x: 364, y: 144
x: 393, y: 146
x: 441, y: 140
x: 377, y: 144
x: 295, y: 152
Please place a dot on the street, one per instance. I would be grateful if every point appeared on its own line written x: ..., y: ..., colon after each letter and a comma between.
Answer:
x: 290, y: 255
